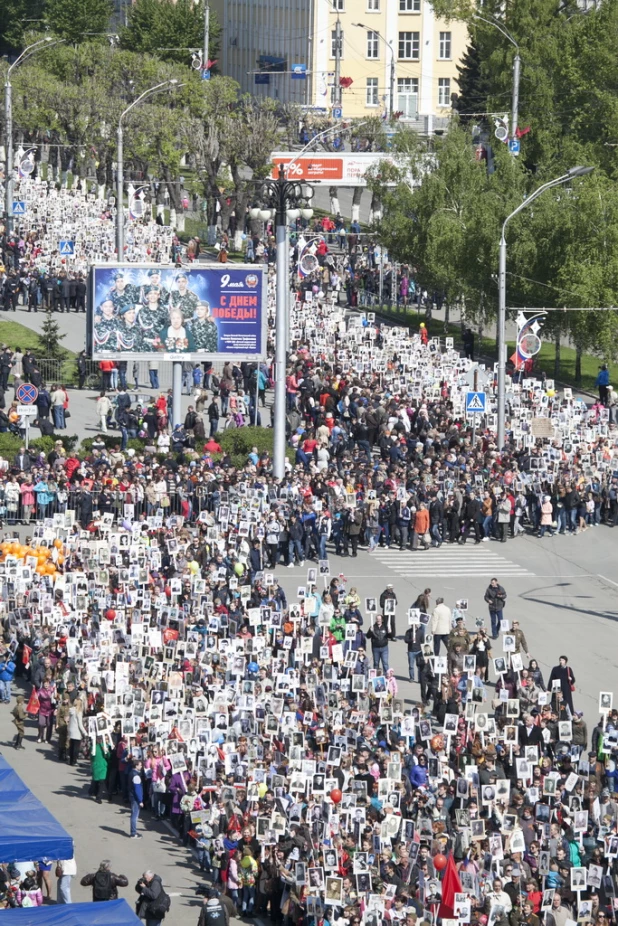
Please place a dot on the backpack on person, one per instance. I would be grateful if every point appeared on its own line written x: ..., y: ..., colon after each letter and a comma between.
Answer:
x: 157, y: 909
x: 103, y: 886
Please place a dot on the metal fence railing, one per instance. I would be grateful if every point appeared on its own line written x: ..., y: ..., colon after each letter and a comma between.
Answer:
x: 137, y: 374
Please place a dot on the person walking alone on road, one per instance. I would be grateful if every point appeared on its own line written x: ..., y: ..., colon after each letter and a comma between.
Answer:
x: 378, y: 634
x: 104, y: 407
x: 495, y: 596
x: 136, y: 796
x: 104, y: 883
x: 19, y: 719
x: 440, y: 625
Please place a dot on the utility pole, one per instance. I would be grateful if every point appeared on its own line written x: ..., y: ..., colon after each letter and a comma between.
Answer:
x: 205, y: 58
x: 337, y: 93
x: 515, y: 102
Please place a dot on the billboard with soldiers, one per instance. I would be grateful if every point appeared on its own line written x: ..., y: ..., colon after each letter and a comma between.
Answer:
x: 146, y: 312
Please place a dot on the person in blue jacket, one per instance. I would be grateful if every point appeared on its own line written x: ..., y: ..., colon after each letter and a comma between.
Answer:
x: 136, y: 795
x: 602, y: 382
x: 7, y: 671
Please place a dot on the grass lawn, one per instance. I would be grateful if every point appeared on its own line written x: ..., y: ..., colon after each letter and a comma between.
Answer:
x: 16, y: 335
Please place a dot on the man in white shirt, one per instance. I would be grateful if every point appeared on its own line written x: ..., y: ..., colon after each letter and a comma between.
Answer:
x: 66, y: 869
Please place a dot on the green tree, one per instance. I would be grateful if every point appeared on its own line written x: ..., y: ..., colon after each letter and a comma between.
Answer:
x: 73, y: 19
x: 473, y: 86
x: 166, y: 29
x: 15, y: 19
x: 50, y: 337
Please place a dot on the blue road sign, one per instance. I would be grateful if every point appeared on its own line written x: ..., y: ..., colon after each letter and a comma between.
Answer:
x: 27, y: 394
x: 475, y: 403
x: 19, y: 207
x: 67, y: 248
x: 205, y: 74
x: 514, y: 145
x: 299, y: 72
x: 337, y: 112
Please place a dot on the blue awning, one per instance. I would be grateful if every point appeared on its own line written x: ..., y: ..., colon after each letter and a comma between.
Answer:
x: 28, y: 831
x: 110, y: 913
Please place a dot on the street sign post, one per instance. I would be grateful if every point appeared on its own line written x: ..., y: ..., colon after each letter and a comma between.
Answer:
x: 67, y: 248
x: 514, y: 146
x: 27, y: 394
x: 337, y: 112
x: 475, y: 403
x: 19, y: 207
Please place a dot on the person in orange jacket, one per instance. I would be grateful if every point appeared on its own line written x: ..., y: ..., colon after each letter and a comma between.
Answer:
x: 423, y: 333
x: 421, y: 527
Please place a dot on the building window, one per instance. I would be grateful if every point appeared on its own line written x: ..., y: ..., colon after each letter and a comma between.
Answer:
x: 444, y: 91
x: 445, y: 46
x: 373, y: 6
x: 372, y: 91
x: 333, y: 44
x: 339, y: 6
x: 409, y: 45
x: 373, y: 44
x: 409, y: 6
x: 407, y: 97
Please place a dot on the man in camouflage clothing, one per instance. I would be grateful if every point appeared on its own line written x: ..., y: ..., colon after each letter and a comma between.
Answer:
x: 105, y: 326
x: 154, y: 282
x: 153, y: 316
x: 122, y: 293
x: 129, y: 335
x: 183, y: 298
x: 204, y: 329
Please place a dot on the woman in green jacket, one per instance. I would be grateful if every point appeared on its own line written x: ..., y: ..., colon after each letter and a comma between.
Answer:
x: 100, y: 762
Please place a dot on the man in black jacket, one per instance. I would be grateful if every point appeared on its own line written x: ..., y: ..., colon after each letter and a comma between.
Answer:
x: 389, y: 595
x: 104, y: 882
x: 495, y: 596
x: 472, y: 514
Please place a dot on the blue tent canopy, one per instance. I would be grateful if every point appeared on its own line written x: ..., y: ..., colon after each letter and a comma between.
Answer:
x: 27, y: 828
x: 110, y: 913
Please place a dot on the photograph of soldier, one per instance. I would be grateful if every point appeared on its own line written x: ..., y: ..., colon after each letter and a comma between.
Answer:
x: 182, y: 297
x: 122, y: 293
x: 204, y: 329
x: 105, y: 326
x: 154, y: 282
x: 129, y: 335
x: 153, y: 315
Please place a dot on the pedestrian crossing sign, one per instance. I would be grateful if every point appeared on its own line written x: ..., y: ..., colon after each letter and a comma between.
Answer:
x: 67, y: 248
x: 475, y: 403
x: 19, y: 207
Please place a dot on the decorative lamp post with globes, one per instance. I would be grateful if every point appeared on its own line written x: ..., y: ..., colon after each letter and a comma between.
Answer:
x: 285, y: 200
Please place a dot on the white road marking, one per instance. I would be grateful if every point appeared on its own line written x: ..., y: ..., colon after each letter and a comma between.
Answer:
x: 607, y: 580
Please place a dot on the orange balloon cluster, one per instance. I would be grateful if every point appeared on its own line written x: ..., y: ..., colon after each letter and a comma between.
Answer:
x: 43, y: 555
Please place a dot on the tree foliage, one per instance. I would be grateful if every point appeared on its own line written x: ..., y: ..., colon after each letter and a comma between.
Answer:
x: 168, y: 28
x: 73, y: 19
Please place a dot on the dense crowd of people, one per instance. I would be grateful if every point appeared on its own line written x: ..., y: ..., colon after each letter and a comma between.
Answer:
x: 270, y: 729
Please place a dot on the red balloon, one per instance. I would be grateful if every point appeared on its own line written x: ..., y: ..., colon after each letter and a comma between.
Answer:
x: 336, y: 795
x: 439, y: 862
x: 110, y: 614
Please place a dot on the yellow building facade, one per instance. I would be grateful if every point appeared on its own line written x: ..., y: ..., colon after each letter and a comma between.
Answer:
x: 388, y: 48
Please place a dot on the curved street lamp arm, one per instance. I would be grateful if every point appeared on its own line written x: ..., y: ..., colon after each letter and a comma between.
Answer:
x: 146, y: 93
x: 490, y: 22
x: 30, y: 50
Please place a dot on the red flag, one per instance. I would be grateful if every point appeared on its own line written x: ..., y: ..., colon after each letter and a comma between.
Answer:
x: 451, y: 885
x: 25, y: 656
x: 33, y: 706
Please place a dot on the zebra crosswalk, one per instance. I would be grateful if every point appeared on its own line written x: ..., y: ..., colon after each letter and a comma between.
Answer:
x: 450, y: 561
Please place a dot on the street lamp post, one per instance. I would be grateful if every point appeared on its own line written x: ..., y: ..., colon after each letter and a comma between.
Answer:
x: 120, y: 165
x: 391, y: 101
x: 288, y: 199
x: 8, y: 114
x: 565, y: 178
x: 516, y: 72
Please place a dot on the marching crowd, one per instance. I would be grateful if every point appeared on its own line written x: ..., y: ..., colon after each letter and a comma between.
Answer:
x: 145, y: 614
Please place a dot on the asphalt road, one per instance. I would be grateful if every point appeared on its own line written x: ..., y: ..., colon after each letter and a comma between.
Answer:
x: 563, y: 590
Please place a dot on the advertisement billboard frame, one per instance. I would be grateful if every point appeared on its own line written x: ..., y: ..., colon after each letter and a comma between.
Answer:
x: 169, y: 270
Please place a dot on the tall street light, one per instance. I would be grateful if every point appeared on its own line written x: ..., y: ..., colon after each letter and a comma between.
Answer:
x: 516, y: 72
x: 8, y: 112
x: 391, y: 102
x: 288, y: 199
x: 120, y: 165
x: 565, y: 178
